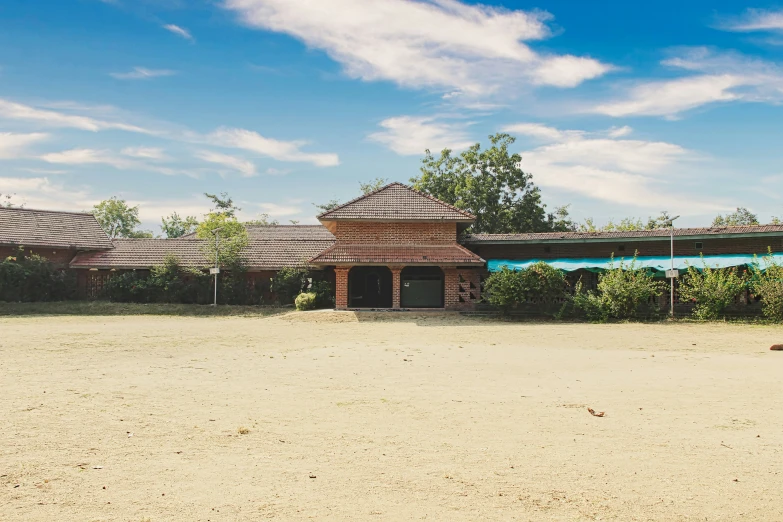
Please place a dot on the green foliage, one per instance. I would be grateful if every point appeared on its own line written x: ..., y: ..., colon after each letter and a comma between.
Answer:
x: 627, y: 224
x: 232, y: 238
x: 306, y: 301
x: 118, y: 219
x: 31, y: 278
x: 712, y: 289
x: 622, y: 291
x: 324, y: 294
x: 372, y: 185
x: 262, y: 220
x: 540, y: 284
x: 7, y: 201
x: 738, y: 218
x: 768, y: 284
x: 176, y: 226
x: 223, y: 204
x: 490, y: 184
x: 288, y: 283
x: 326, y: 207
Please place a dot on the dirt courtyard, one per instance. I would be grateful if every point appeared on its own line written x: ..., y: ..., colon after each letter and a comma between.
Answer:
x: 334, y: 416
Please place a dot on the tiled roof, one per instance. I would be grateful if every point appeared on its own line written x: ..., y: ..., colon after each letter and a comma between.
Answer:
x: 397, y: 202
x: 47, y: 228
x: 662, y: 233
x: 373, y: 254
x: 270, y: 249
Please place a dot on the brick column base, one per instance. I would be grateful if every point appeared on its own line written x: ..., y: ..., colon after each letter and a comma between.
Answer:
x: 395, y: 270
x: 341, y: 287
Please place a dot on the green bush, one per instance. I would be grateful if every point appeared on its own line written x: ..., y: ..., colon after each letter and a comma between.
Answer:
x: 768, y: 284
x: 288, y: 283
x: 539, y: 284
x: 324, y: 294
x: 31, y: 278
x: 306, y: 301
x: 621, y: 294
x: 167, y: 283
x: 713, y: 290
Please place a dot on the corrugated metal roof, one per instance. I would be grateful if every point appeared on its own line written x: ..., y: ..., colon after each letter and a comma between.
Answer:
x: 48, y: 228
x: 397, y: 202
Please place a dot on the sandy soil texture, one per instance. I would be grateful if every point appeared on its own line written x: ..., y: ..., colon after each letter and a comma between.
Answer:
x: 334, y: 416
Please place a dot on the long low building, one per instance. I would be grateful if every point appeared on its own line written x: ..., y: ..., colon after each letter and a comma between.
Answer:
x: 394, y: 248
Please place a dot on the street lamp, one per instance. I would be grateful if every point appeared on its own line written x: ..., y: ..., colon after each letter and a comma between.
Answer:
x: 672, y: 274
x: 216, y: 270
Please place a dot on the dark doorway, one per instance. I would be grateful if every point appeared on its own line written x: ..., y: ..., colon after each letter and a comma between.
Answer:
x: 422, y: 287
x: 370, y: 287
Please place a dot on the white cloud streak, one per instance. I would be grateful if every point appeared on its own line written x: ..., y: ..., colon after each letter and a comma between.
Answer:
x: 411, y: 135
x: 756, y: 20
x: 446, y: 45
x: 50, y: 118
x: 153, y: 153
x: 14, y: 145
x: 141, y: 73
x: 245, y: 167
x: 179, y: 31
x: 269, y: 147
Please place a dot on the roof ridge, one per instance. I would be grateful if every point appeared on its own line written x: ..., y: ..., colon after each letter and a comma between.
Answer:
x: 354, y: 200
x: 49, y: 211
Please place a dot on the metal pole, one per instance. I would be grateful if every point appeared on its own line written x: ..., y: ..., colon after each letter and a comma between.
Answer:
x: 671, y: 296
x: 217, y: 235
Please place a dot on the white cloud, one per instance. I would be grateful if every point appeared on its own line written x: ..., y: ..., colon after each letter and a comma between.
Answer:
x: 141, y: 73
x: 247, y: 168
x: 179, y: 31
x: 14, y: 145
x: 442, y: 44
x: 276, y: 149
x: 49, y: 118
x: 153, y: 153
x: 645, y: 174
x: 40, y: 193
x: 619, y: 132
x: 87, y: 157
x: 277, y: 210
x: 540, y: 131
x: 411, y: 135
x: 720, y: 77
x: 756, y: 20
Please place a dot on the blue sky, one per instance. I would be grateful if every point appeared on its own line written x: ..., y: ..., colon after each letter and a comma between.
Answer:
x: 619, y: 108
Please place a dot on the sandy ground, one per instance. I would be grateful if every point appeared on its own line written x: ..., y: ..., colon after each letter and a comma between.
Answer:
x: 403, y: 418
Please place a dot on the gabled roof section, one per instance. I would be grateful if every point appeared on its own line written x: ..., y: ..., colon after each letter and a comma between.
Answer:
x: 397, y: 202
x: 390, y: 254
x: 48, y: 228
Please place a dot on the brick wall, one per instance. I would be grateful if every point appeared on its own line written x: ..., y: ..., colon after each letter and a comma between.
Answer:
x: 341, y: 287
x: 364, y: 232
x: 462, y: 288
x: 58, y: 256
x: 645, y: 248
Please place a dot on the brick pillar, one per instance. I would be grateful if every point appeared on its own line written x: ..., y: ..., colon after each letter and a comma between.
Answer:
x: 341, y: 287
x: 395, y: 270
x: 451, y: 288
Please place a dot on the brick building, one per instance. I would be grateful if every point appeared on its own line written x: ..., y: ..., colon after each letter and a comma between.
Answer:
x: 394, y: 248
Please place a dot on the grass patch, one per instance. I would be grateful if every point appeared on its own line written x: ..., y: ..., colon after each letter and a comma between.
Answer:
x: 107, y: 308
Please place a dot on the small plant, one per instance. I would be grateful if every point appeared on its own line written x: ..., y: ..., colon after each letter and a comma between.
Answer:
x: 243, y: 431
x: 768, y: 284
x: 306, y: 301
x: 621, y: 292
x: 712, y: 289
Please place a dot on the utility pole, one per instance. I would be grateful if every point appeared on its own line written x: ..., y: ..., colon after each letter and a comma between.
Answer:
x: 672, y: 274
x: 216, y: 270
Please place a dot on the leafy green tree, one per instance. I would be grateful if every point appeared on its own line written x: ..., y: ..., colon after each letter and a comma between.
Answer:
x: 626, y: 224
x: 739, y: 218
x: 713, y: 290
x: 326, y: 207
x: 539, y: 284
x: 231, y: 241
x: 176, y: 226
x: 767, y: 282
x: 118, y: 219
x: 490, y: 184
x: 263, y: 221
x: 372, y: 185
x: 223, y: 204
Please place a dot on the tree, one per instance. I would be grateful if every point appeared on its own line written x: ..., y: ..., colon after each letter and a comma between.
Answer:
x: 326, y: 207
x: 263, y: 221
x: 118, y: 219
x: 372, y: 185
x: 233, y: 238
x: 6, y: 201
x: 176, y: 226
x: 223, y: 204
x: 490, y: 184
x: 742, y: 217
x: 626, y: 224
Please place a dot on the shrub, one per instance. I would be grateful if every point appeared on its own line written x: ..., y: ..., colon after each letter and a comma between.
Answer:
x: 768, y: 284
x: 540, y: 284
x: 30, y: 277
x: 713, y: 290
x: 306, y: 301
x: 621, y: 292
x: 166, y: 283
x: 324, y: 294
x: 288, y: 283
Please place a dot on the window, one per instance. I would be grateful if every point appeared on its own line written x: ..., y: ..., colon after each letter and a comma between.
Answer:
x: 698, y: 245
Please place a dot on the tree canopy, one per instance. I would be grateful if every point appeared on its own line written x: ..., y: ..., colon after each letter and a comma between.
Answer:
x: 738, y: 218
x: 232, y: 238
x: 223, y: 204
x: 491, y: 185
x: 626, y: 224
x: 176, y: 226
x: 372, y: 185
x: 118, y: 219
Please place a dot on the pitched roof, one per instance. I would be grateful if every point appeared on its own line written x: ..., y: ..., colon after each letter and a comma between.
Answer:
x: 48, y: 228
x: 270, y: 249
x: 662, y: 234
x: 397, y: 202
x: 374, y: 254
